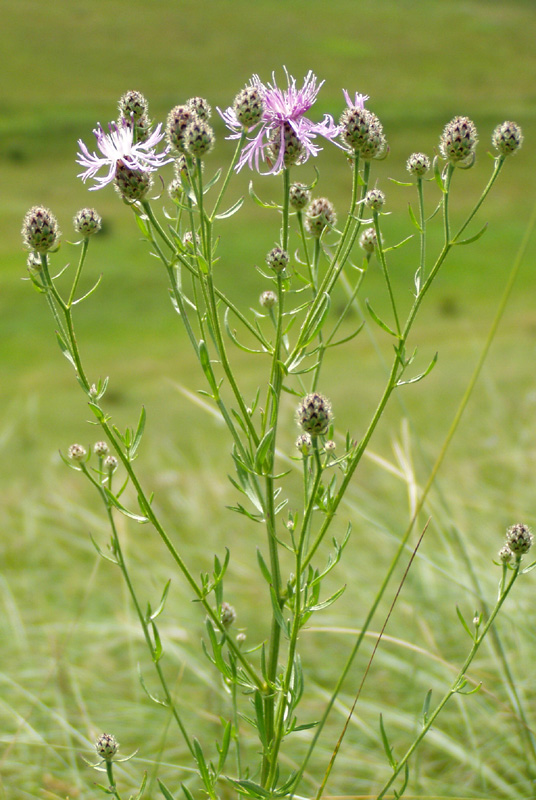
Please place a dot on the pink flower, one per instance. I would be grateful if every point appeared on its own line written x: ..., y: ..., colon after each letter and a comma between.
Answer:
x: 283, y: 118
x: 359, y: 101
x: 118, y: 146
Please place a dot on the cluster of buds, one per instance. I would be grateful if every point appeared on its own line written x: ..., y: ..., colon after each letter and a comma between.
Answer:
x: 77, y: 454
x: 187, y: 129
x: 518, y: 542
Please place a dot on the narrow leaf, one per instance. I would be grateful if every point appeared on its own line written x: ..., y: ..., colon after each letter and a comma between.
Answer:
x: 422, y: 375
x: 386, y: 746
x: 64, y: 349
x: 264, y: 568
x: 162, y: 603
x: 207, y: 368
x: 230, y: 211
x: 139, y: 432
x: 165, y: 791
x: 329, y: 601
x: 474, y: 238
x: 379, y: 321
x: 262, y: 451
x: 202, y: 765
x: 115, y: 502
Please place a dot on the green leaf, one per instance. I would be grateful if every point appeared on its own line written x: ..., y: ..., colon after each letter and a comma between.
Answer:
x: 251, y: 789
x: 142, y: 787
x: 115, y: 502
x: 162, y: 603
x: 317, y: 321
x: 152, y: 697
x: 264, y: 568
x: 329, y: 601
x: 422, y: 375
x: 278, y: 616
x: 464, y: 623
x: 224, y: 749
x: 165, y: 791
x: 259, y: 716
x: 141, y: 222
x: 426, y: 706
x: 386, y: 746
x: 262, y: 451
x: 65, y: 349
x: 414, y: 219
x: 139, y: 432
x: 258, y: 200
x: 158, y: 650
x: 379, y: 321
x: 474, y: 238
x: 206, y: 366
x: 187, y: 792
x: 230, y: 211
x: 202, y: 766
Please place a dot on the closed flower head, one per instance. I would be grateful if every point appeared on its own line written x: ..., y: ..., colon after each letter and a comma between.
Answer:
x: 361, y: 130
x: 178, y: 121
x: 106, y: 746
x: 507, y: 138
x: 40, y: 231
x: 418, y: 164
x: 320, y: 215
x: 87, y: 222
x: 519, y: 539
x: 133, y: 105
x: 314, y: 414
x: 458, y: 140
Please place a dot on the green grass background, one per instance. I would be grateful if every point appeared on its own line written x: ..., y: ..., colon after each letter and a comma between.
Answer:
x: 70, y: 644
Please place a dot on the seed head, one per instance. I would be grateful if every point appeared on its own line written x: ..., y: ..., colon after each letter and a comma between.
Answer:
x: 368, y: 240
x: 198, y: 138
x: 519, y: 539
x: 228, y: 615
x: 200, y: 107
x: 299, y: 196
x: 268, y: 299
x: 248, y: 106
x: 131, y: 184
x: 507, y: 138
x: 40, y: 230
x: 177, y: 122
x: 314, y: 414
x: 304, y: 444
x: 418, y: 164
x: 133, y: 106
x: 87, y: 222
x: 277, y: 259
x: 320, y: 214
x: 106, y: 746
x: 76, y: 452
x: 458, y: 140
x: 101, y: 449
x: 375, y: 199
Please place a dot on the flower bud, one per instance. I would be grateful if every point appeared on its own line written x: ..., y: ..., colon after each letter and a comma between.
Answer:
x: 131, y: 184
x: 299, y: 196
x: 133, y: 105
x: 268, y: 299
x: 40, y: 230
x: 228, y: 615
x: 418, y: 164
x: 200, y: 107
x: 330, y: 446
x: 375, y: 199
x: 248, y: 106
x: 362, y: 132
x: 507, y: 138
x: 76, y: 452
x: 106, y: 746
x: 304, y: 444
x: 277, y: 259
x: 368, y: 240
x: 87, y: 222
x: 458, y: 140
x: 198, y: 138
x: 142, y: 127
x: 314, y: 414
x: 519, y: 539
x: 505, y: 555
x: 110, y: 462
x: 320, y: 214
x: 177, y: 122
x: 101, y: 449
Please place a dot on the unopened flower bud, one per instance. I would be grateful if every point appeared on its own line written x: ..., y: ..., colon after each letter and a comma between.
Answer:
x: 133, y: 105
x: 368, y: 240
x: 505, y: 555
x: 248, y: 106
x: 198, y: 138
x: 76, y: 452
x: 268, y: 299
x: 458, y: 140
x: 101, y: 449
x: 330, y: 446
x: 110, y: 463
x: 200, y: 106
x: 106, y: 746
x: 362, y: 132
x: 40, y: 230
x: 87, y: 222
x: 188, y: 241
x: 131, y: 184
x: 240, y: 639
x: 277, y: 259
x: 177, y: 122
x: 320, y: 214
x: 299, y: 196
x: 142, y: 127
x: 294, y: 149
x: 507, y: 138
x: 314, y: 414
x: 418, y: 164
x: 375, y: 199
x: 304, y: 444
x: 519, y: 539
x: 228, y: 615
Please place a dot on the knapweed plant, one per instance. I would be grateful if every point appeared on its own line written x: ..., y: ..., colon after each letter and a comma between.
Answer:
x: 292, y: 332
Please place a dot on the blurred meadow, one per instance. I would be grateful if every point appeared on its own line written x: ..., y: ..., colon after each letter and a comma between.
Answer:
x: 70, y: 641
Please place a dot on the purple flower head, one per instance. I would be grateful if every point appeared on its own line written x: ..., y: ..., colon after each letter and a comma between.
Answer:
x: 359, y: 101
x: 284, y: 112
x: 118, y: 146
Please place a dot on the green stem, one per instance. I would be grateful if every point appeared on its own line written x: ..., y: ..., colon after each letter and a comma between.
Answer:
x: 85, y: 243
x: 385, y: 271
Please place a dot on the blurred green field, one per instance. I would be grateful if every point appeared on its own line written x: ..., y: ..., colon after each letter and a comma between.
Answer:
x: 70, y: 642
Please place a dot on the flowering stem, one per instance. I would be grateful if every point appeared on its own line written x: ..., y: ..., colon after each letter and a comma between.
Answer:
x: 458, y: 683
x: 381, y: 255
x: 112, y: 787
x: 228, y: 175
x: 422, y: 235
x: 85, y: 244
